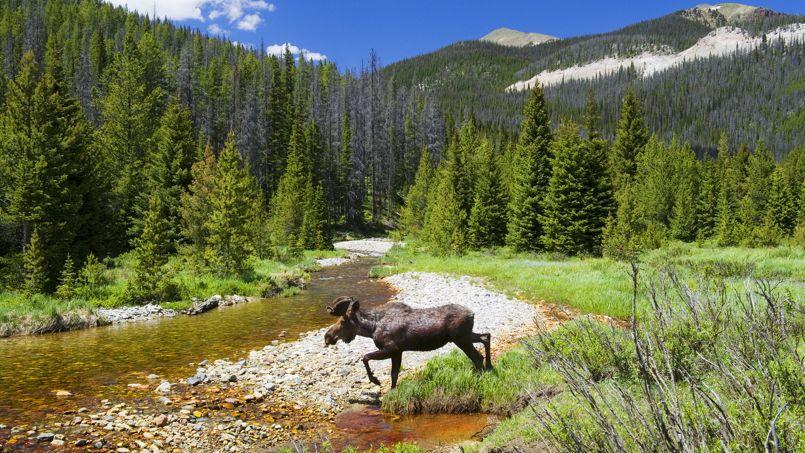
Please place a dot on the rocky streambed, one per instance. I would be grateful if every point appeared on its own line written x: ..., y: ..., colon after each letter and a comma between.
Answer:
x: 329, y: 379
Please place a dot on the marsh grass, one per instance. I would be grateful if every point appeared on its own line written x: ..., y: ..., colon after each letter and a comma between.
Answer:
x: 24, y: 314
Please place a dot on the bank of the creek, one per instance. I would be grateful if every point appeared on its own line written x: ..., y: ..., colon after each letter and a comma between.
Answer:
x: 107, y: 387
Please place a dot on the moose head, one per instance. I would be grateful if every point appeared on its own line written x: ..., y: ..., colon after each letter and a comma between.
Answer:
x: 346, y: 328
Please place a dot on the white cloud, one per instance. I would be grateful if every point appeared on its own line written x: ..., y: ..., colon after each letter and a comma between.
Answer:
x: 215, y: 29
x: 174, y: 9
x: 192, y: 9
x: 249, y: 22
x: 279, y: 49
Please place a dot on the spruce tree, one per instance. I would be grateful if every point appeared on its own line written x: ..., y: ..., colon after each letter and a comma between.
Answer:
x: 196, y: 208
x: 151, y: 251
x: 707, y: 201
x: 235, y: 201
x: 752, y: 208
x: 726, y: 210
x: 462, y: 159
x: 531, y: 174
x: 128, y: 110
x: 67, y: 280
x: 683, y: 221
x: 781, y: 212
x: 631, y: 136
x: 592, y: 116
x: 168, y: 167
x: 412, y: 217
x: 623, y: 232
x: 315, y: 229
x: 579, y: 196
x: 487, y: 218
x: 45, y: 166
x: 34, y: 267
x: 287, y: 206
x: 444, y: 231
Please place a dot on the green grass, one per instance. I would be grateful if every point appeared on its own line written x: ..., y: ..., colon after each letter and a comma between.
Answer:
x: 450, y: 384
x: 601, y: 285
x: 20, y: 313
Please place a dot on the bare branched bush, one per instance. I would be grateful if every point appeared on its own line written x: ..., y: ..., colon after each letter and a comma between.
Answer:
x: 707, y: 369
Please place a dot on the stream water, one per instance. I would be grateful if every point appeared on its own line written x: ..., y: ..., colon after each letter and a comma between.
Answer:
x: 97, y: 364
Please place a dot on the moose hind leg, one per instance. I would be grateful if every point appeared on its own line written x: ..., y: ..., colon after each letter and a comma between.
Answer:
x: 396, y: 361
x: 486, y: 340
x: 376, y: 355
x: 472, y: 353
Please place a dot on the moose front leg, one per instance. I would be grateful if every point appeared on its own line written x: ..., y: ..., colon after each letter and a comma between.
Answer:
x: 376, y: 355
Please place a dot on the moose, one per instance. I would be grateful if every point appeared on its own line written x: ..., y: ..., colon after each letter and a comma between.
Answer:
x: 396, y: 328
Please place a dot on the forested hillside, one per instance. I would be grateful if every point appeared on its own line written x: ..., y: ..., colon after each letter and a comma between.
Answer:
x: 106, y: 116
x: 699, y: 99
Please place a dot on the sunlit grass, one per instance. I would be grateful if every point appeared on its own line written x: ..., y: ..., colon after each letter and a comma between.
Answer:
x: 450, y: 384
x: 601, y: 285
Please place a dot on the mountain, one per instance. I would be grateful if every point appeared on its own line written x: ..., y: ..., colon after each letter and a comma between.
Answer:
x: 700, y: 69
x: 514, y: 38
x: 722, y: 14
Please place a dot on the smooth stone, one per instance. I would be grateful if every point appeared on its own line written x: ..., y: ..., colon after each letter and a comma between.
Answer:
x: 45, y: 437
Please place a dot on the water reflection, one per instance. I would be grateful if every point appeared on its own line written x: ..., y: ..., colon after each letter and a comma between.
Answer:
x: 99, y: 363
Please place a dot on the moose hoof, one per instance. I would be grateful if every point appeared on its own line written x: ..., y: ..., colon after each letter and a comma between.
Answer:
x: 374, y: 380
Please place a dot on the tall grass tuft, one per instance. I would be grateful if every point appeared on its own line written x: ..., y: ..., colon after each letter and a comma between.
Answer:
x: 713, y: 370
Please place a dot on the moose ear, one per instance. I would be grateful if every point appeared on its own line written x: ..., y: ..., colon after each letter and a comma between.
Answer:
x: 353, y: 308
x: 339, y: 306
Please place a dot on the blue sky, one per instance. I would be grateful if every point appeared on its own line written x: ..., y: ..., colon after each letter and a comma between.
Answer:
x: 345, y: 31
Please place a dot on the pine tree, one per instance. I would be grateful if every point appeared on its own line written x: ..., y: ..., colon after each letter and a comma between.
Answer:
x: 579, y: 196
x: 36, y: 278
x: 44, y: 161
x: 462, y: 159
x: 315, y: 230
x: 487, y: 219
x: 623, y: 233
x: 196, y: 208
x: 683, y: 222
x: 128, y: 108
x: 531, y: 174
x: 67, y: 280
x: 444, y: 231
x: 234, y: 203
x: 654, y: 184
x: 781, y: 212
x: 752, y: 208
x: 412, y: 217
x: 168, y: 168
x: 707, y: 200
x: 151, y: 250
x: 287, y: 206
x: 631, y: 136
x: 592, y: 116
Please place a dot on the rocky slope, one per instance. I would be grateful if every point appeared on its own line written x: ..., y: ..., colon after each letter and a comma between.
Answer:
x: 514, y: 38
x: 722, y: 41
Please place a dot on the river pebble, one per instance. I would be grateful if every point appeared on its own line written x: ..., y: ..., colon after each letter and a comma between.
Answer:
x: 136, y: 313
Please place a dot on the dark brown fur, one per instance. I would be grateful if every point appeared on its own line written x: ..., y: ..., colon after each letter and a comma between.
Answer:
x: 396, y: 328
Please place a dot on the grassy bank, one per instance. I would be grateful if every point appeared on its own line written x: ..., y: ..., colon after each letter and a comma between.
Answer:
x: 22, y: 314
x: 600, y: 285
x: 714, y: 362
